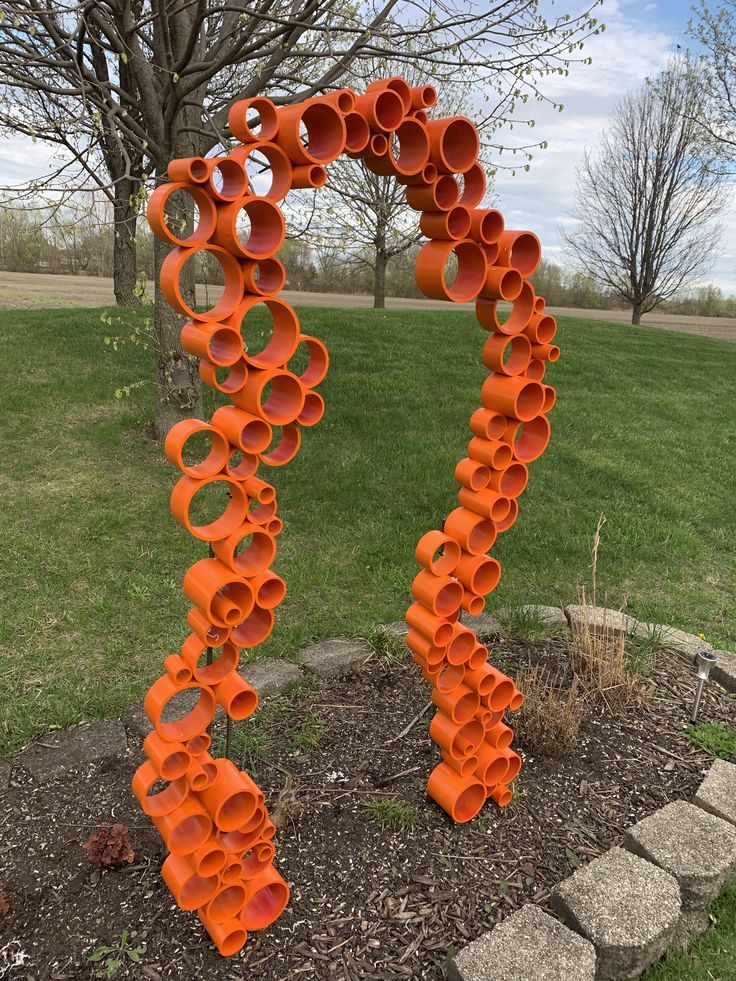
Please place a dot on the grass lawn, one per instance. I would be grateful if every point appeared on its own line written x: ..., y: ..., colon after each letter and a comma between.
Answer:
x: 712, y: 957
x: 92, y: 560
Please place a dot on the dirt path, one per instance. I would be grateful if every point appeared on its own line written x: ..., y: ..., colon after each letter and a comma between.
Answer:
x: 37, y: 290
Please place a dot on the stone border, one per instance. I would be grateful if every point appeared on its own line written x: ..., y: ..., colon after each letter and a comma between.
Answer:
x: 625, y: 909
x: 622, y: 911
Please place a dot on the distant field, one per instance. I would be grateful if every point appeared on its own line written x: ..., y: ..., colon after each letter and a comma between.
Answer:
x: 92, y: 560
x: 30, y: 291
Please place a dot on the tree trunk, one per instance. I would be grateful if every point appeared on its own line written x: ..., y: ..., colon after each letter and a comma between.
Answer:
x: 636, y: 314
x: 124, y: 247
x: 379, y: 280
x: 178, y: 385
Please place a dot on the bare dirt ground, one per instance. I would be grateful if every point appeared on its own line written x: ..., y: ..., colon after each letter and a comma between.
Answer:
x: 369, y: 900
x: 25, y: 291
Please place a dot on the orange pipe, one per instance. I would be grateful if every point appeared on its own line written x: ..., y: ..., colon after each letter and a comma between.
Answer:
x: 460, y: 797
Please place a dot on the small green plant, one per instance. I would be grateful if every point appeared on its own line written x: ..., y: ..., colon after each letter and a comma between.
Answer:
x: 113, y: 959
x: 388, y: 646
x: 640, y: 651
x: 248, y: 746
x: 527, y: 623
x: 310, y: 734
x: 391, y: 811
x: 715, y: 737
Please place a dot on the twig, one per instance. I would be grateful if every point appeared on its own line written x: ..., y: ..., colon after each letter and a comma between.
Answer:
x: 401, y: 773
x: 417, y: 717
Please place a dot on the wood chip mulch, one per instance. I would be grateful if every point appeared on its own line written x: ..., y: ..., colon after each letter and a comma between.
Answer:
x: 367, y: 901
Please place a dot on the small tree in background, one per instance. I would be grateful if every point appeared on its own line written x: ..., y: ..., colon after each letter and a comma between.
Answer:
x: 715, y: 31
x: 648, y: 199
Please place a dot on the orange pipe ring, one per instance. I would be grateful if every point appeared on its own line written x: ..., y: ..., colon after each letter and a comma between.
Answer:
x: 470, y: 473
x: 439, y: 195
x: 189, y: 170
x: 233, y: 514
x: 156, y: 214
x: 227, y: 179
x: 344, y: 99
x: 437, y: 552
x: 357, y: 132
x: 508, y: 354
x: 241, y: 465
x: 325, y: 132
x: 236, y: 696
x: 454, y: 144
x: 279, y: 163
x: 520, y: 250
x: 309, y: 176
x: 268, y: 120
x: 471, y: 270
x: 486, y: 225
x: 285, y: 336
x: 454, y: 223
x: 220, y: 344
x: 268, y: 228
x: 163, y: 802
x: 318, y: 364
x: 171, y: 270
x: 224, y: 598
x: 248, y: 432
x: 177, y: 438
x: 264, y: 277
x: 235, y: 380
x: 286, y: 399
x: 222, y: 665
x: 475, y: 534
x: 193, y: 722
x: 252, y: 560
x: 474, y: 186
x: 460, y: 797
x: 488, y: 425
x: 290, y: 440
x: 254, y: 628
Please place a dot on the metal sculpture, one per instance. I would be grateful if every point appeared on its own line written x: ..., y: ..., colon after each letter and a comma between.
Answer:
x: 211, y: 816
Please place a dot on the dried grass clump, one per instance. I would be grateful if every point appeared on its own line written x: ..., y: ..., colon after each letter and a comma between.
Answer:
x: 599, y: 657
x: 549, y: 722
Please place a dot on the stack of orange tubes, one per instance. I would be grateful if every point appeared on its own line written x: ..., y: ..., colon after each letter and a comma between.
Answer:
x: 211, y: 816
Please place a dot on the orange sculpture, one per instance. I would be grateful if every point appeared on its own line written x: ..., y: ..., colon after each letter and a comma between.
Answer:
x: 211, y: 816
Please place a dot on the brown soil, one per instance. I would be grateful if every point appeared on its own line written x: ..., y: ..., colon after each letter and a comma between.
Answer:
x: 367, y: 901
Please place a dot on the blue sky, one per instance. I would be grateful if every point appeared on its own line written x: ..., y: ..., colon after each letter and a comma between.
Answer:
x: 640, y: 36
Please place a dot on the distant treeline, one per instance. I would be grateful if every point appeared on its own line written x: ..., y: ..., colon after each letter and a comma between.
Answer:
x: 79, y: 241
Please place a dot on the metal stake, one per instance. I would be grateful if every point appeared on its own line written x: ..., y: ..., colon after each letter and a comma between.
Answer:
x: 706, y: 660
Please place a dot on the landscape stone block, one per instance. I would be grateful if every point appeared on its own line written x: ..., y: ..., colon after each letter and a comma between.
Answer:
x: 271, y: 675
x: 331, y: 658
x: 486, y: 627
x: 600, y: 618
x: 628, y: 909
x: 717, y: 793
x: 78, y: 746
x: 528, y: 944
x: 399, y: 627
x: 136, y: 721
x: 724, y: 670
x: 697, y: 848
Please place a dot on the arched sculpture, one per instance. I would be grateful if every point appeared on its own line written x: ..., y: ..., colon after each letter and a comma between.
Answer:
x: 211, y: 816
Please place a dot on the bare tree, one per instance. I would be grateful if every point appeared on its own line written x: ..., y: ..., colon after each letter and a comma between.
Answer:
x: 647, y: 200
x: 186, y: 61
x: 715, y: 31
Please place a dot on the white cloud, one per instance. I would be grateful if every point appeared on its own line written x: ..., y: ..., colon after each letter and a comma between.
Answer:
x: 623, y: 56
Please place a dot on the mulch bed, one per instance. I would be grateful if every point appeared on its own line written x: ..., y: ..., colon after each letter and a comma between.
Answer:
x: 367, y: 901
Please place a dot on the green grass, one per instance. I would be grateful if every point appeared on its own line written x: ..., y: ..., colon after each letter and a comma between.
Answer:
x: 90, y: 578
x: 712, y: 957
x: 391, y: 812
x: 715, y: 737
